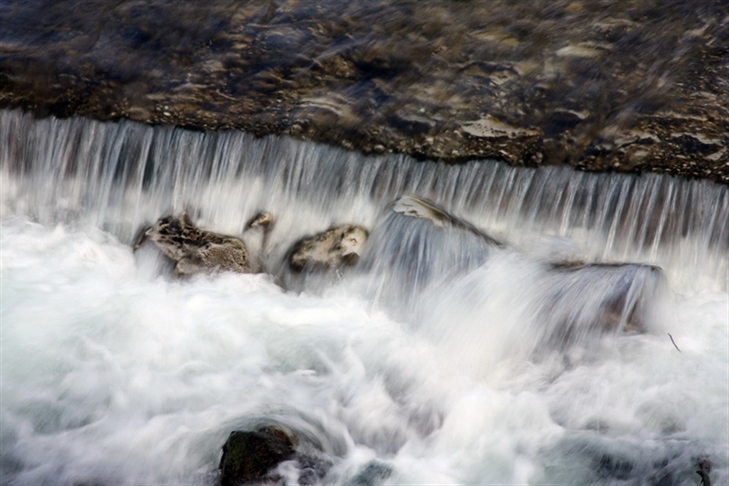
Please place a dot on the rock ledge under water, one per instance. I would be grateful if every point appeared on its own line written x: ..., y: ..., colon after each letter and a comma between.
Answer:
x: 630, y: 86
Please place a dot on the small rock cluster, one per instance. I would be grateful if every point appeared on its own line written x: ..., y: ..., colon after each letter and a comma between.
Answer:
x: 194, y: 250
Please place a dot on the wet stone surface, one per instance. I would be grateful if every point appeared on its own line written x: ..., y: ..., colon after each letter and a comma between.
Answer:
x: 627, y: 86
x: 248, y: 456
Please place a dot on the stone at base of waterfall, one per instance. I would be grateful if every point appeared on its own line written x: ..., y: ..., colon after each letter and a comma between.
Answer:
x: 421, y: 208
x: 336, y: 247
x: 194, y: 250
x: 416, y: 243
x: 600, y: 298
x: 250, y: 456
x: 263, y: 455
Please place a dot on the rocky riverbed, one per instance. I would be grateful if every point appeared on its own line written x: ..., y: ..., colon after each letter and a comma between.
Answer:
x: 635, y: 85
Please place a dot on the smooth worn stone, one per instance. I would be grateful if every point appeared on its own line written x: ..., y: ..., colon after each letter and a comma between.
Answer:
x: 338, y: 246
x: 194, y: 250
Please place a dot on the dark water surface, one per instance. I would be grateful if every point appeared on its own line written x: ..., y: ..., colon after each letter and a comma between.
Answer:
x: 635, y: 85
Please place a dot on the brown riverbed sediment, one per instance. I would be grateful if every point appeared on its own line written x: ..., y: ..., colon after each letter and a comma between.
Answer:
x: 637, y: 86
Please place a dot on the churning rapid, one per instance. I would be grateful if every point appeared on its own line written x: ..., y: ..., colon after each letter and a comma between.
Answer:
x: 501, y: 326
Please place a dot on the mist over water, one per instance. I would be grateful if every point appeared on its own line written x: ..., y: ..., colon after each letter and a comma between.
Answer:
x: 447, y: 368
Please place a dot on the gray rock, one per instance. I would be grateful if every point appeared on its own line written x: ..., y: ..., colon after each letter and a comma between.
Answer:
x: 336, y: 247
x: 373, y: 473
x: 194, y: 250
x: 577, y: 300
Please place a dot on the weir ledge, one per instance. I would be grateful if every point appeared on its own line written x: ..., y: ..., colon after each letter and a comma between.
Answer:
x: 633, y: 86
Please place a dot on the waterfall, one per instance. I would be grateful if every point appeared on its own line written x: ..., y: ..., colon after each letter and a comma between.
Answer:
x: 458, y: 352
x: 120, y: 176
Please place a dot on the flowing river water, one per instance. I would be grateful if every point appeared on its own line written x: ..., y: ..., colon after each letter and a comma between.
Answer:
x: 443, y: 365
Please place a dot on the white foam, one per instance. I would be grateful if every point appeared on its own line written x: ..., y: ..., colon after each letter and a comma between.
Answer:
x: 115, y: 374
x: 116, y: 377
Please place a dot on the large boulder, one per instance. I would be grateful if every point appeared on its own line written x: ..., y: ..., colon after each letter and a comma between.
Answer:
x: 418, y: 248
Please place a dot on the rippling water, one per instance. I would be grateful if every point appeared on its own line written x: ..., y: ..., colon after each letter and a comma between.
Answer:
x: 114, y: 373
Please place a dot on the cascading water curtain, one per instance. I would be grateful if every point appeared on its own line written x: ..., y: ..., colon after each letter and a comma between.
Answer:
x: 527, y: 326
x: 120, y: 176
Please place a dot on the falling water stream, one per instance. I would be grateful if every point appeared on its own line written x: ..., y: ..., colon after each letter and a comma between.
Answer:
x: 441, y: 366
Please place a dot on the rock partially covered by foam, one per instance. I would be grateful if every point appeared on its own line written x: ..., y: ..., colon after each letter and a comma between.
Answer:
x: 374, y: 472
x: 577, y: 300
x: 415, y: 246
x: 417, y: 207
x: 251, y: 456
x: 336, y: 247
x: 194, y: 250
x: 272, y: 454
x: 422, y: 243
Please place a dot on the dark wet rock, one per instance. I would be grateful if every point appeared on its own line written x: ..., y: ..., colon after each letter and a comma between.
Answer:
x: 194, y: 250
x: 338, y: 246
x: 588, y: 457
x: 268, y: 454
x: 249, y: 456
x: 620, y: 86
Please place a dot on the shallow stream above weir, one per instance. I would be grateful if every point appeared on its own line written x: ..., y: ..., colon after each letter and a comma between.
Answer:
x: 434, y: 360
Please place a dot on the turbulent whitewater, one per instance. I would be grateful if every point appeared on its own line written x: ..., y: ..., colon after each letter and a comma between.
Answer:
x: 115, y: 372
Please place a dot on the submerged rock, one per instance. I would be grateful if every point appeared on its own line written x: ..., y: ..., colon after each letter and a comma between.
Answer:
x: 249, y: 456
x: 425, y: 244
x: 372, y: 473
x: 338, y: 246
x: 417, y: 207
x: 195, y: 250
x: 579, y: 300
x: 629, y: 86
x: 416, y: 245
x: 704, y: 471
